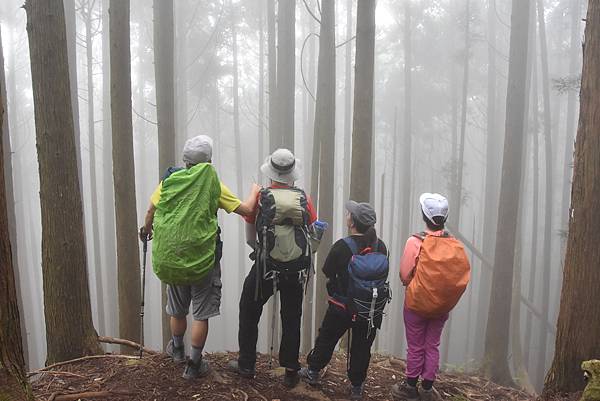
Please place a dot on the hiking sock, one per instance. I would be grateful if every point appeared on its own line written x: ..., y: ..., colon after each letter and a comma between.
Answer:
x: 178, y: 341
x: 412, y: 381
x: 196, y: 355
x: 427, y: 384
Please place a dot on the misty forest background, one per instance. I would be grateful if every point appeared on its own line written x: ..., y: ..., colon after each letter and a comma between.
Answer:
x: 256, y: 75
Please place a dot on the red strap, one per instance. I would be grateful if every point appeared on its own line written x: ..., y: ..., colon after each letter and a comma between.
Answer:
x: 336, y: 303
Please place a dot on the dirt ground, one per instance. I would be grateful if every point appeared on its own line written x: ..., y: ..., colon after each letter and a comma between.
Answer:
x: 157, y: 378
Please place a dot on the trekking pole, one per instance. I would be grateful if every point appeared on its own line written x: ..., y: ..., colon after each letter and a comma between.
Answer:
x: 145, y: 251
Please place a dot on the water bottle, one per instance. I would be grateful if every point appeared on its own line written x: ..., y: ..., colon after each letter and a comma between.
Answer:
x: 320, y: 227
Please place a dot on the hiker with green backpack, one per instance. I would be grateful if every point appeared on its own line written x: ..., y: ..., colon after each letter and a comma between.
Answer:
x: 187, y: 248
x: 357, y: 269
x: 282, y: 262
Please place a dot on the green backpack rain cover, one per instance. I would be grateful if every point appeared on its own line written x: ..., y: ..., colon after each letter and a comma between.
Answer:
x: 185, y: 225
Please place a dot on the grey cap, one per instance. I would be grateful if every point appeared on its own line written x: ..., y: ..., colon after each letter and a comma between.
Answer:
x: 362, y: 212
x: 198, y: 150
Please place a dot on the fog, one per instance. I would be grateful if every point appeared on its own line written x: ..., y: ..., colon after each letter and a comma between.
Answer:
x: 453, y: 111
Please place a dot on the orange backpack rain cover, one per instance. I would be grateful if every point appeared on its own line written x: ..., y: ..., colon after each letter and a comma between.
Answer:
x: 440, y: 277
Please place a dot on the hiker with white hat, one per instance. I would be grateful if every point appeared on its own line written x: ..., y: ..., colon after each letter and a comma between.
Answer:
x: 435, y: 271
x: 187, y: 247
x: 282, y: 261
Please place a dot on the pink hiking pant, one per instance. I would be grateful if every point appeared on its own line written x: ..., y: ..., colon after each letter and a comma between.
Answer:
x: 423, y: 339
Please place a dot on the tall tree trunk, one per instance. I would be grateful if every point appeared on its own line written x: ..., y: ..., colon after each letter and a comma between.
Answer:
x: 124, y: 173
x: 325, y: 131
x: 406, y: 184
x: 164, y: 37
x: 69, y: 329
x: 286, y: 74
x: 348, y: 101
x: 13, y: 382
x: 497, y: 333
x: 574, y: 66
x: 546, y: 251
x: 272, y: 72
x: 6, y: 155
x: 578, y: 317
x: 362, y: 130
x: 109, y: 261
x: 88, y: 18
x: 261, y: 90
x: 493, y: 141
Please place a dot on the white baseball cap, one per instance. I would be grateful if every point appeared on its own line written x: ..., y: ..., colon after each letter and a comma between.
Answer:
x: 434, y: 205
x: 198, y: 150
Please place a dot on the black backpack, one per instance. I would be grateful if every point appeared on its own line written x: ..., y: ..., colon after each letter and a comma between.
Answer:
x: 368, y: 289
x: 282, y: 228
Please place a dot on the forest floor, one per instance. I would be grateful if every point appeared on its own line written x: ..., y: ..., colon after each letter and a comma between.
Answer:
x: 157, y: 377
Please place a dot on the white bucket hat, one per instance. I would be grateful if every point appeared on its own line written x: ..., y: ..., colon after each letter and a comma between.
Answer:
x: 281, y: 166
x: 434, y: 205
x: 198, y: 150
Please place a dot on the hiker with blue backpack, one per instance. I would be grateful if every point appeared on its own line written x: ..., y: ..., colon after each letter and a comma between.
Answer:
x: 357, y: 270
x: 187, y: 248
x: 283, y: 221
x: 435, y: 271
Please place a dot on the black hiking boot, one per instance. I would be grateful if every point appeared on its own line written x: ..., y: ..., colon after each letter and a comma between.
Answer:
x: 196, y: 370
x: 405, y: 392
x: 356, y: 392
x: 291, y: 378
x: 234, y: 366
x: 310, y: 376
x: 177, y: 353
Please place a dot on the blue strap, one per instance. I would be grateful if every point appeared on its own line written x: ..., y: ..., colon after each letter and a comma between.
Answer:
x: 352, y: 245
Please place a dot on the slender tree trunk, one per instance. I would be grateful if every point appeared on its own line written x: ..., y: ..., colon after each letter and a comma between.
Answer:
x: 325, y: 131
x: 574, y: 67
x: 272, y: 72
x: 13, y: 382
x: 109, y: 261
x: 578, y: 317
x: 69, y: 329
x: 348, y: 101
x: 406, y: 184
x: 497, y: 333
x: 286, y: 74
x: 6, y: 155
x: 88, y: 17
x: 261, y: 90
x: 164, y: 37
x: 124, y: 173
x: 546, y: 251
x: 362, y: 130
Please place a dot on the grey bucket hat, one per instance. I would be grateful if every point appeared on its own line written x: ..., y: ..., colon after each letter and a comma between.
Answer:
x: 281, y: 166
x: 362, y: 212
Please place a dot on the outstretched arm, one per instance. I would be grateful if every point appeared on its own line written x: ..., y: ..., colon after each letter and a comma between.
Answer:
x: 248, y: 206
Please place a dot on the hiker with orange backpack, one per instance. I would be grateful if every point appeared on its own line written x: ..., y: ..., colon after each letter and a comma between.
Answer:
x: 435, y: 271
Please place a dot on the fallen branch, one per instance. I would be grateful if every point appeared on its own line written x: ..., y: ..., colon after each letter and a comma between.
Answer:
x: 245, y: 395
x: 85, y: 358
x: 90, y: 394
x: 60, y: 373
x: 262, y: 397
x: 127, y: 343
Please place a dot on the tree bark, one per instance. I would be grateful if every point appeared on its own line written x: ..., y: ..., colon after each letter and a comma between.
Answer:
x: 362, y: 131
x: 348, y: 101
x: 128, y: 273
x: 286, y: 74
x: 495, y: 364
x: 325, y: 131
x: 578, y: 317
x: 69, y: 329
x: 272, y: 72
x: 546, y: 251
x: 13, y: 382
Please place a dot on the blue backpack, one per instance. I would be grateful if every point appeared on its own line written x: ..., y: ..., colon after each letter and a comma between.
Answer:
x: 368, y: 288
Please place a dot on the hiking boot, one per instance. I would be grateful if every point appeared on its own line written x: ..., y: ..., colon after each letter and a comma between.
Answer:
x: 310, y: 376
x: 234, y: 366
x: 291, y: 378
x: 196, y: 370
x: 356, y: 392
x: 430, y: 395
x: 405, y: 392
x: 177, y: 353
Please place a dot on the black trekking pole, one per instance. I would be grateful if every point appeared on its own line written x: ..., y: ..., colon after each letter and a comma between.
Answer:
x: 145, y: 250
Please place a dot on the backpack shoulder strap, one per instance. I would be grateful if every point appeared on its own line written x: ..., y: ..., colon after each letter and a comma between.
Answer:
x: 352, y: 245
x: 421, y: 235
x: 170, y: 171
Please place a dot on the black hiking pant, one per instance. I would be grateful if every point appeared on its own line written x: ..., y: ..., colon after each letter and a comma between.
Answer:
x: 290, y: 293
x: 335, y: 324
